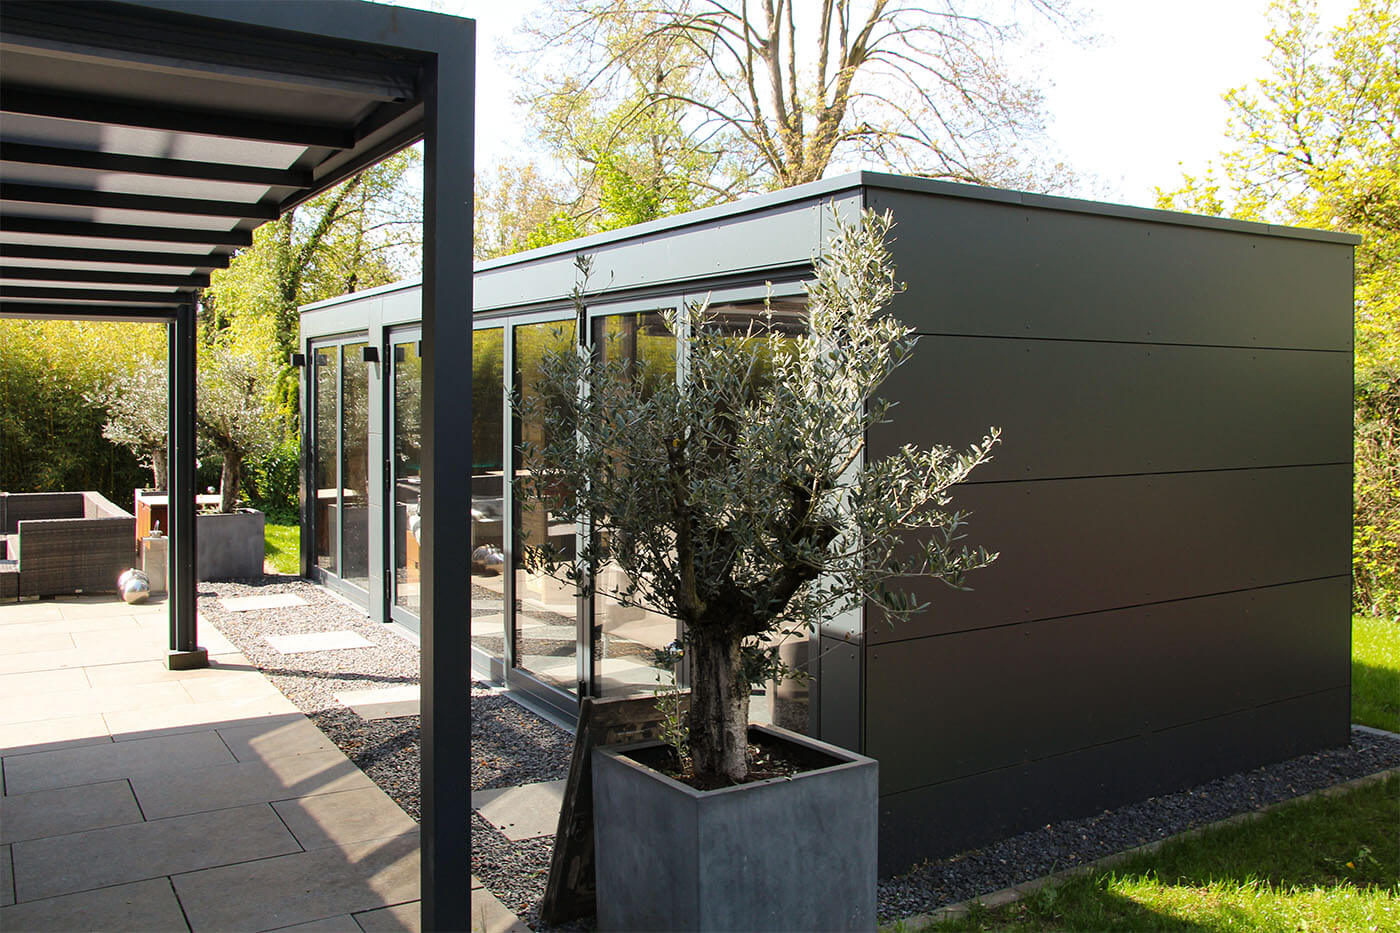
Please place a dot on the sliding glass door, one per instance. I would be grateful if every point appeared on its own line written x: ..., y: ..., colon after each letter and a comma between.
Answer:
x: 340, y: 464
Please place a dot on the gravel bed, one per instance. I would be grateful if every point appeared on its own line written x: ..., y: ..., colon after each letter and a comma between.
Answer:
x: 512, y: 746
x: 1069, y: 843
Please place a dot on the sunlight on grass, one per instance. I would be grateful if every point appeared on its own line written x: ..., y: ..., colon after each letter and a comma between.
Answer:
x: 1327, y: 864
x: 1375, y: 672
x: 282, y: 545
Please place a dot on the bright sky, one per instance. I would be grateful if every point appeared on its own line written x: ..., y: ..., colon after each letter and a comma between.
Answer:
x: 1124, y: 111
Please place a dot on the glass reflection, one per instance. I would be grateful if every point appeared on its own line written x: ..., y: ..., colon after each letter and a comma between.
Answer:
x: 325, y: 438
x: 625, y: 638
x: 407, y: 478
x: 488, y: 475
x: 741, y: 325
x: 545, y: 611
x: 354, y: 466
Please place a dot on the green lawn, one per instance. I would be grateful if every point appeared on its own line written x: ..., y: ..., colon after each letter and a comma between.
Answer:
x: 282, y: 545
x: 1327, y: 864
x: 1375, y: 673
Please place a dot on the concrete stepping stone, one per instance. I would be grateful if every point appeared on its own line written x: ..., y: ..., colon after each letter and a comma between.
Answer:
x: 253, y: 603
x: 318, y: 641
x: 525, y: 812
x: 383, y: 703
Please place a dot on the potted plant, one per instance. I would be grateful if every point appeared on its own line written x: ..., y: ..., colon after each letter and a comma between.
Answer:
x: 235, y: 416
x: 739, y: 501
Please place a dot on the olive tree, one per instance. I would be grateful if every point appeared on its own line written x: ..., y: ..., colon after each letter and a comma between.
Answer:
x: 234, y: 411
x: 739, y: 500
x: 137, y: 415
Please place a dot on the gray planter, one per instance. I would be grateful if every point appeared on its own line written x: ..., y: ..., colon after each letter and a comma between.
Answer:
x: 793, y: 853
x: 229, y: 546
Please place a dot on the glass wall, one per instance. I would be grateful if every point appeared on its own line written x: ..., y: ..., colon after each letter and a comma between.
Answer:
x: 354, y: 466
x: 406, y: 478
x: 488, y: 491
x: 325, y: 439
x: 625, y: 638
x: 544, y: 620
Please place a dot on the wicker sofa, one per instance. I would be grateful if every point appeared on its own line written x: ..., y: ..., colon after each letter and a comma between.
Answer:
x: 63, y: 542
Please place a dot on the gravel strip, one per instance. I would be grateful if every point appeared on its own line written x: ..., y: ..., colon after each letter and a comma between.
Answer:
x: 512, y: 746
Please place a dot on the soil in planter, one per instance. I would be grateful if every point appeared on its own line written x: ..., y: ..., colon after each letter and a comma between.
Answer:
x: 768, y: 757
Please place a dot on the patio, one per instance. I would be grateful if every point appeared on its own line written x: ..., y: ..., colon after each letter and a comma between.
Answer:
x: 140, y: 798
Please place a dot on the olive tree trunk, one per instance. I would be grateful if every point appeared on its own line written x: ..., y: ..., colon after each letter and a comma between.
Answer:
x: 719, y: 707
x: 229, y: 481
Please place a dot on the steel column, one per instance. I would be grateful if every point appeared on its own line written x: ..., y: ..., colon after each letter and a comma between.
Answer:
x: 448, y: 94
x: 181, y: 578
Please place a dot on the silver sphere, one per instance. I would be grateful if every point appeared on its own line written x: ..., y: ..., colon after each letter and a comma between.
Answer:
x: 489, y: 559
x: 135, y: 586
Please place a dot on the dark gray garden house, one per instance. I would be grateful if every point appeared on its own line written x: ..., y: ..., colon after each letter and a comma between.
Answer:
x: 1172, y: 500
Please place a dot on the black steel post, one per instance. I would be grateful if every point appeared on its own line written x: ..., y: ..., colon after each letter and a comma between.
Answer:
x: 448, y: 94
x: 181, y: 580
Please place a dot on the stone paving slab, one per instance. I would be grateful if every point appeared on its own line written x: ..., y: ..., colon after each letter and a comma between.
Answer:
x: 112, y: 761
x: 140, y: 907
x: 302, y: 886
x: 524, y: 812
x: 67, y: 810
x: 344, y: 818
x: 263, y: 741
x: 383, y: 703
x: 270, y: 601
x: 196, y: 717
x: 119, y: 854
x: 342, y: 924
x: 35, y: 683
x: 238, y: 784
x: 53, y: 735
x: 318, y: 641
x: 7, y: 878
x: 90, y: 700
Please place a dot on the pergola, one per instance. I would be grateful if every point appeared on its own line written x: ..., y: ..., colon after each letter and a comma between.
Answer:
x: 142, y: 142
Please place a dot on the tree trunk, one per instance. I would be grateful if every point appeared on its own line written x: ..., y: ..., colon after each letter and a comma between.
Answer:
x: 160, y: 468
x: 719, y: 708
x: 229, y: 481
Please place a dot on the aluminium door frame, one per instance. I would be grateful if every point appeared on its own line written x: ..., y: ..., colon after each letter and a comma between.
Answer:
x: 394, y: 335
x: 333, y: 579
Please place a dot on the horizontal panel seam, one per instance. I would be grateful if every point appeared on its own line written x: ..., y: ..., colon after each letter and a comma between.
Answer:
x: 1136, y: 343
x: 1118, y: 741
x: 1239, y: 469
x: 872, y: 645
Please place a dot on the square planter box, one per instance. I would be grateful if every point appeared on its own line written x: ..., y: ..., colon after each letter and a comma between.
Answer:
x: 229, y: 546
x: 796, y: 853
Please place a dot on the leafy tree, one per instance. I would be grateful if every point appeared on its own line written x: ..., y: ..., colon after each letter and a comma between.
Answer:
x: 235, y: 413
x: 54, y: 379
x: 1317, y: 144
x: 138, y: 415
x: 776, y: 93
x: 362, y: 233
x: 734, y: 500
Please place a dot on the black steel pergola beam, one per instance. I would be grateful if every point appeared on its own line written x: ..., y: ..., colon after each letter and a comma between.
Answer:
x: 115, y: 200
x: 90, y: 294
x: 25, y: 154
x: 34, y: 102
x: 83, y: 228
x: 126, y: 257
x: 103, y: 277
x: 84, y: 312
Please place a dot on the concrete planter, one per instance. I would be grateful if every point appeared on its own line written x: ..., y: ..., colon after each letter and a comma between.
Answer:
x: 793, y: 853
x: 229, y: 546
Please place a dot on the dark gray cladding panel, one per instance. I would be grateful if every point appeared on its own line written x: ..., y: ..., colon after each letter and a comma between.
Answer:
x: 839, y: 689
x: 1031, y: 691
x: 979, y: 267
x: 1088, y: 409
x: 1087, y: 545
x: 942, y: 819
